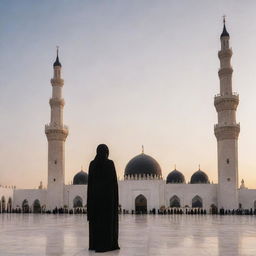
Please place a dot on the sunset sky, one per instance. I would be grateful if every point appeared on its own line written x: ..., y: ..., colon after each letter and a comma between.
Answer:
x: 136, y: 73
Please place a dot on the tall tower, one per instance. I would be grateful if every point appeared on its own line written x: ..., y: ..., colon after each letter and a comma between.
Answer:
x: 56, y: 134
x: 227, y: 129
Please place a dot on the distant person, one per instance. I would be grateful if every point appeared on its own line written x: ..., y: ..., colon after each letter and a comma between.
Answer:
x: 102, y: 202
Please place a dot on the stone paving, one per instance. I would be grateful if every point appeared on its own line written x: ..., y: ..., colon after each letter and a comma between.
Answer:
x: 140, y: 235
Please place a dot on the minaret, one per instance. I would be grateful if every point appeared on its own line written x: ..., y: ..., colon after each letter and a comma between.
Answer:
x: 227, y: 129
x: 56, y: 134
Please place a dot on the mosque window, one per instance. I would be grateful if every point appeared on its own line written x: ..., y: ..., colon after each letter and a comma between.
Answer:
x: 227, y: 160
x: 55, y: 161
x: 228, y: 179
x: 54, y: 179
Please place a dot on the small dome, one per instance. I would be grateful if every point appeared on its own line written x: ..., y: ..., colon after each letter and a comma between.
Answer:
x: 81, y: 178
x: 175, y: 177
x: 199, y: 177
x: 143, y: 164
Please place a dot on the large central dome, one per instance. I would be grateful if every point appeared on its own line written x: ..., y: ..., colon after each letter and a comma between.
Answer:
x: 142, y: 165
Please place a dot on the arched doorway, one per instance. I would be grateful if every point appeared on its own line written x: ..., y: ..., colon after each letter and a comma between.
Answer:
x: 140, y: 204
x: 77, y: 202
x: 36, y: 206
x: 3, y: 204
x: 214, y: 209
x: 9, y: 205
x: 175, y: 202
x: 25, y: 206
x: 197, y: 202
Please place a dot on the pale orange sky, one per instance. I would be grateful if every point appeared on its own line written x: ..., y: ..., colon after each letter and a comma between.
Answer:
x: 136, y: 73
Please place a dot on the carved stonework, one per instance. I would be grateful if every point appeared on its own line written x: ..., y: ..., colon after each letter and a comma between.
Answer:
x: 56, y: 102
x: 227, y: 102
x: 57, y: 82
x: 56, y: 133
x: 225, y: 71
x: 227, y: 132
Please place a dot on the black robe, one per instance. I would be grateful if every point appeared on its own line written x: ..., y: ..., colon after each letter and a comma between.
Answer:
x: 102, y: 206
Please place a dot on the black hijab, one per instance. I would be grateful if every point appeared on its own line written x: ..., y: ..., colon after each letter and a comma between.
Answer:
x: 102, y: 153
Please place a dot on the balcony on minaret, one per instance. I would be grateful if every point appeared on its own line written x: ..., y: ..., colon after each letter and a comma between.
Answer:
x: 225, y: 53
x: 55, y: 131
x: 56, y: 127
x: 226, y: 102
x: 227, y: 131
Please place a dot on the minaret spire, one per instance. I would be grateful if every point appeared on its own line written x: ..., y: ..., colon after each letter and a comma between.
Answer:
x: 227, y: 129
x: 56, y: 133
x: 57, y: 62
x: 224, y: 19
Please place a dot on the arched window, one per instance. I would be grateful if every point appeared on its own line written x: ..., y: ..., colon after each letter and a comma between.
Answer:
x: 3, y: 204
x: 77, y: 202
x: 36, y: 206
x: 197, y: 202
x: 25, y: 206
x: 175, y: 201
x: 140, y: 204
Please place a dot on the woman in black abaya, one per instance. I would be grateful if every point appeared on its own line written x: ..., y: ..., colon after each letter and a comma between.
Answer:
x: 102, y: 203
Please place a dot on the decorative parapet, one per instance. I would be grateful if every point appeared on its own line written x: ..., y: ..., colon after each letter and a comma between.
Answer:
x: 143, y: 177
x: 226, y: 102
x: 57, y: 82
x: 56, y: 102
x: 227, y: 131
x: 225, y: 71
x: 56, y: 132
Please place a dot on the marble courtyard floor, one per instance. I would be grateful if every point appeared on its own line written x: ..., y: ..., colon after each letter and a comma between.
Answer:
x: 54, y: 235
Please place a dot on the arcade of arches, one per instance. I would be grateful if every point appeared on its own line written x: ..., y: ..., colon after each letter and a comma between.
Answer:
x: 141, y: 203
x: 5, y: 207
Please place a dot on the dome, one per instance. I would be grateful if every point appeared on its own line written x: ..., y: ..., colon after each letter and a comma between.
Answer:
x: 81, y: 178
x: 175, y: 177
x: 143, y: 164
x: 199, y: 177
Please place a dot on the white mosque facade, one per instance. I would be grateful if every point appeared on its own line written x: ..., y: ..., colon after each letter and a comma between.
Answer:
x: 143, y: 187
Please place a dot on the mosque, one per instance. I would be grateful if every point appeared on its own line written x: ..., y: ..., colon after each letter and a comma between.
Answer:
x: 143, y: 187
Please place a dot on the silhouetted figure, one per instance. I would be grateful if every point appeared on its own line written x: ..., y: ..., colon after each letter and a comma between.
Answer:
x: 102, y: 203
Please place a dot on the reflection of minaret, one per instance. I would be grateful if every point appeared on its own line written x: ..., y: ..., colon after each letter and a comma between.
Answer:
x: 227, y: 129
x: 229, y: 239
x: 55, y: 242
x: 56, y: 134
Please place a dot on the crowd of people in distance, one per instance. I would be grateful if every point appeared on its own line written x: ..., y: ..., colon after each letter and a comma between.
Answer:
x: 169, y: 211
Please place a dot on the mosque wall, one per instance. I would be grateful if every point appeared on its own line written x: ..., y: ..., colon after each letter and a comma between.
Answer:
x: 73, y: 192
x: 152, y: 190
x: 30, y: 195
x: 159, y: 194
x: 247, y: 198
x: 186, y: 193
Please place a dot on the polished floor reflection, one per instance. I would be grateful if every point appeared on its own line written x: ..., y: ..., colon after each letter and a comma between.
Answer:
x: 53, y: 235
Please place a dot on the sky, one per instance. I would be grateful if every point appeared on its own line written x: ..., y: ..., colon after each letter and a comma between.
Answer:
x: 136, y: 73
